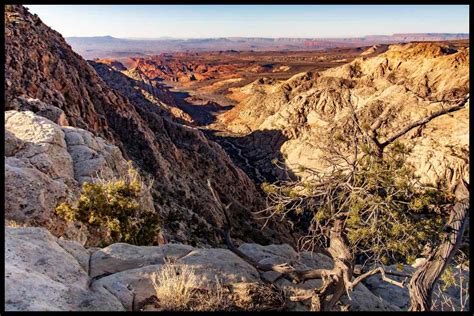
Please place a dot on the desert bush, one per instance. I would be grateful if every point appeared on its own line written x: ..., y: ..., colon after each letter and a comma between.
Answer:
x: 174, y: 286
x: 115, y: 209
x: 176, y: 289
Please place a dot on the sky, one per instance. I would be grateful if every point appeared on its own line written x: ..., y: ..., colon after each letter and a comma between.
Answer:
x: 204, y: 21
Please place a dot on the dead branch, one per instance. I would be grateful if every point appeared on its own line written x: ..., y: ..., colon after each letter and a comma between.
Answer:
x: 365, y: 275
x: 425, y: 120
x: 287, y: 270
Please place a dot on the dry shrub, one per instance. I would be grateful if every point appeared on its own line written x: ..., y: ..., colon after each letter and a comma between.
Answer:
x: 216, y: 299
x: 258, y: 297
x: 14, y: 224
x: 174, y: 286
x: 176, y: 289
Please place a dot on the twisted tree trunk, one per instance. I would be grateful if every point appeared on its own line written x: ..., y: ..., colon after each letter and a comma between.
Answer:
x: 336, y: 281
x: 423, y: 280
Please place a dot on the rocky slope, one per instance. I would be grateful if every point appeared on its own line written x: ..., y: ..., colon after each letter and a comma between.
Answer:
x: 402, y: 85
x: 39, y: 64
x: 149, y: 94
x: 61, y: 275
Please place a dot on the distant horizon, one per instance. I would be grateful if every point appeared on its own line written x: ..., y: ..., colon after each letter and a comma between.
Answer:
x: 251, y: 21
x: 186, y: 38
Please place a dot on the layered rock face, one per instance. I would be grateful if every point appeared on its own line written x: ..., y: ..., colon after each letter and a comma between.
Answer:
x: 404, y: 84
x: 41, y: 65
x: 179, y: 69
x: 62, y: 275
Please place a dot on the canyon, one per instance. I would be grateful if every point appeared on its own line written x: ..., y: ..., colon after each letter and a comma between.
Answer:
x: 267, y: 105
x: 108, y: 46
x: 207, y: 129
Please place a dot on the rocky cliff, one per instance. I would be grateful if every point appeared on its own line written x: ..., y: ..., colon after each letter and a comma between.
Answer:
x: 402, y: 85
x: 40, y: 65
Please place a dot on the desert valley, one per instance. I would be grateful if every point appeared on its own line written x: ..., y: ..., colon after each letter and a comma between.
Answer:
x: 235, y: 174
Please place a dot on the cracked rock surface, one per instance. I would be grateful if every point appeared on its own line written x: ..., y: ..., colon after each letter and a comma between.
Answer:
x: 47, y: 273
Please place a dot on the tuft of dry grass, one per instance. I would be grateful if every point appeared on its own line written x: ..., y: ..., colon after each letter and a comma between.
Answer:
x: 214, y: 300
x: 176, y: 289
x: 15, y: 224
x: 174, y: 286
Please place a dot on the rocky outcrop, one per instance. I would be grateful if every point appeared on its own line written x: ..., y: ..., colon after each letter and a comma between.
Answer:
x: 46, y: 164
x: 402, y: 85
x: 41, y: 65
x: 46, y: 273
x: 445, y: 298
x: 377, y: 48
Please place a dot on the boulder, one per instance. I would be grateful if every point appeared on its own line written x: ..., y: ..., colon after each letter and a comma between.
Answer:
x: 131, y: 286
x: 30, y: 195
x: 444, y: 299
x: 92, y: 156
x: 42, y: 144
x: 362, y: 299
x: 391, y: 293
x: 258, y: 252
x: 42, y: 275
x: 120, y: 256
x: 223, y: 264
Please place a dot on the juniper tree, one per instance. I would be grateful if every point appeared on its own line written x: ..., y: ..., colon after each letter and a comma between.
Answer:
x: 367, y: 207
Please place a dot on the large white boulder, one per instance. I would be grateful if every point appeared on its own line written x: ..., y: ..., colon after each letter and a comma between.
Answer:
x: 42, y: 275
x: 46, y: 164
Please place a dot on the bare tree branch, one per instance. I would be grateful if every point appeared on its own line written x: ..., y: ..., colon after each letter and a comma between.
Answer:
x: 364, y: 276
x: 425, y: 120
x: 286, y: 269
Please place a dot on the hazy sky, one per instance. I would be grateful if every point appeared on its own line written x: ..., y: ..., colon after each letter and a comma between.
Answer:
x: 187, y: 21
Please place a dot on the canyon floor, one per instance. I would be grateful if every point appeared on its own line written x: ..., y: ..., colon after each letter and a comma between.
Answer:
x: 208, y: 96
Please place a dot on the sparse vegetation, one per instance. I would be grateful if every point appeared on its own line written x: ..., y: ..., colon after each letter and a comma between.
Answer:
x: 14, y: 224
x: 115, y: 209
x: 454, y: 278
x: 388, y: 216
x: 176, y: 288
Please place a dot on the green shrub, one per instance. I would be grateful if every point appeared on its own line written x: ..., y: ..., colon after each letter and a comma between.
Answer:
x: 114, y: 209
x: 388, y: 215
